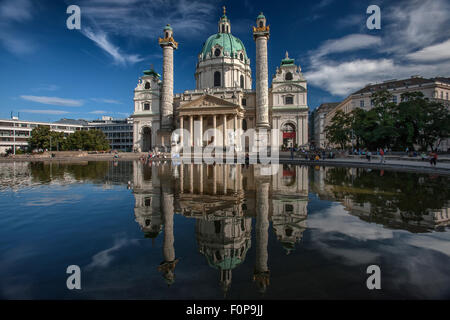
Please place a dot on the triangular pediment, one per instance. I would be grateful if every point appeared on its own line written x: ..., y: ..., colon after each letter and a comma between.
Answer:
x: 207, y: 100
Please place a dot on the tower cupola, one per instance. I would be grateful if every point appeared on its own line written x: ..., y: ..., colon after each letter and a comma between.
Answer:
x: 224, y: 23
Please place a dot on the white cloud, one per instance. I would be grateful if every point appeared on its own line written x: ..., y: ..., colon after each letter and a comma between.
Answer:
x: 16, y: 10
x: 101, y: 40
x: 54, y: 101
x: 415, y: 24
x: 351, y: 42
x: 13, y: 12
x: 112, y: 101
x: 440, y: 51
x: 54, y: 112
x: 146, y: 19
x: 49, y: 87
x: 413, y: 41
x: 98, y: 112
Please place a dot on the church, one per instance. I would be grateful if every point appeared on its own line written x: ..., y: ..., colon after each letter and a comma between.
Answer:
x: 223, y: 98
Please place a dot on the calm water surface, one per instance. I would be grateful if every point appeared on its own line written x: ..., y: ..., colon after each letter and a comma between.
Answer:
x: 167, y: 231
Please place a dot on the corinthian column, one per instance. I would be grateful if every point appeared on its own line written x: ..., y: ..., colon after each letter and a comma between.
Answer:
x: 261, y: 36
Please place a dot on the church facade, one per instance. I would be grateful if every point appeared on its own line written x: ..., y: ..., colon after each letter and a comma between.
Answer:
x: 223, y: 98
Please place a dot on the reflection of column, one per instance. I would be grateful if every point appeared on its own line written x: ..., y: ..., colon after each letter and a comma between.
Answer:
x: 167, y: 267
x: 261, y: 273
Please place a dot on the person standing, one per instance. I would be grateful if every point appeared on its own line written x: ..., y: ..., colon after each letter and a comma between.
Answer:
x: 433, y: 158
x: 382, y: 156
x: 368, y: 155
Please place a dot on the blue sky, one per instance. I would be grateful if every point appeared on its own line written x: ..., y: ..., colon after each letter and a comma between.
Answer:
x: 48, y: 72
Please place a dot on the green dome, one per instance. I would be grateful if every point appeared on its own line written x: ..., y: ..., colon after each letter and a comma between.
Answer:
x: 227, y: 41
x: 168, y: 27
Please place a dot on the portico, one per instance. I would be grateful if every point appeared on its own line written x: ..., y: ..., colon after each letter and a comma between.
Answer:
x: 207, y: 114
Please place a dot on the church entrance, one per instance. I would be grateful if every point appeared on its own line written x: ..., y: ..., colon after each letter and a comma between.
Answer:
x: 146, y: 139
x: 288, y: 131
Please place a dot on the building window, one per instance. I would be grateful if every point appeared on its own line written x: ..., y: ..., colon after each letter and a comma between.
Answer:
x: 261, y: 24
x: 288, y: 76
x: 244, y: 102
x: 217, y: 79
x: 217, y: 52
x: 242, y: 81
x: 289, y: 100
x: 223, y: 29
x: 167, y: 35
x: 394, y: 98
x: 442, y: 94
x: 241, y: 56
x: 146, y: 106
x: 361, y: 103
x: 147, y: 85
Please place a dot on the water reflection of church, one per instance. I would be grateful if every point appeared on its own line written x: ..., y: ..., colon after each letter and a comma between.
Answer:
x: 223, y: 199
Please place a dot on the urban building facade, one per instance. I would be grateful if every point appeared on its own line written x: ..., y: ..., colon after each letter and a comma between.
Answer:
x: 223, y: 98
x: 318, y: 118
x: 435, y: 89
x: 14, y: 133
x: 119, y: 132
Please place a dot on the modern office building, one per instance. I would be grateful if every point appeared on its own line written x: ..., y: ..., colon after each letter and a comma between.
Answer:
x: 15, y: 132
x: 119, y: 132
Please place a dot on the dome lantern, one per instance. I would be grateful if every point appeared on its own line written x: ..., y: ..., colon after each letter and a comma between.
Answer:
x: 224, y: 23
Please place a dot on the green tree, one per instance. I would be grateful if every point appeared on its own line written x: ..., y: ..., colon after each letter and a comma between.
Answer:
x: 420, y: 121
x: 339, y: 130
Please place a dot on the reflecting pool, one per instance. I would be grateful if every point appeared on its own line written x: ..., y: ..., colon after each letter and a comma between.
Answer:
x: 169, y: 231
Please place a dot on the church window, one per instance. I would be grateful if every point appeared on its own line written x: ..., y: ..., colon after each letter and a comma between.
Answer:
x: 242, y: 81
x: 223, y: 29
x: 146, y: 106
x: 244, y: 124
x: 147, y: 85
x: 217, y: 79
x: 167, y: 35
x: 288, y: 76
x: 244, y: 102
x: 289, y: 100
x: 217, y: 52
x: 261, y: 24
x: 241, y: 56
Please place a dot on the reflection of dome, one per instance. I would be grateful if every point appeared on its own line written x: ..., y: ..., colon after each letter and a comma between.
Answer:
x: 231, y: 45
x: 226, y: 263
x: 224, y: 243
